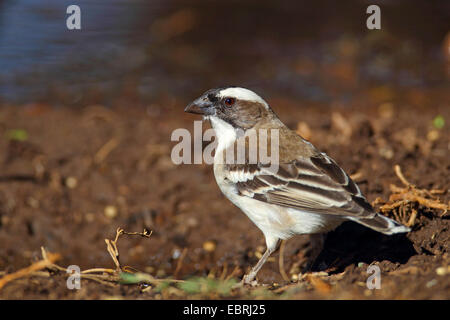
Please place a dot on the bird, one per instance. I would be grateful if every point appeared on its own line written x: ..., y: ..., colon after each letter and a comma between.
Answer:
x: 309, y: 193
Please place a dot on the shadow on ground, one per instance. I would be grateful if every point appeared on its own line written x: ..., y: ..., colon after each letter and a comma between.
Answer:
x: 351, y: 244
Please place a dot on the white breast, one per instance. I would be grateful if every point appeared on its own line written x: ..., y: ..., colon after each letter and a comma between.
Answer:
x: 225, y: 133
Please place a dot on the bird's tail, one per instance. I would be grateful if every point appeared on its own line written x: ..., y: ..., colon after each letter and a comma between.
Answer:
x: 383, y: 224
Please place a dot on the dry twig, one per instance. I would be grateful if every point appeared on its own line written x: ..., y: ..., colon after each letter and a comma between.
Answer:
x: 111, y: 245
x: 281, y: 261
x: 104, y: 276
x: 180, y: 262
x: 404, y: 201
x: 47, y: 260
x: 105, y: 150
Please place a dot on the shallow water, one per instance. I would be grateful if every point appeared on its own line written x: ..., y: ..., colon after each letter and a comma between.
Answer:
x: 143, y: 49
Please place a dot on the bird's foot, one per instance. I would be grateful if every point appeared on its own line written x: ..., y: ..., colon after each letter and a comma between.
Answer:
x: 250, y: 279
x: 244, y: 282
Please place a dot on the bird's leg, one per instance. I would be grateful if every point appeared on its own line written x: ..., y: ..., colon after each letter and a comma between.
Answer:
x: 248, y: 278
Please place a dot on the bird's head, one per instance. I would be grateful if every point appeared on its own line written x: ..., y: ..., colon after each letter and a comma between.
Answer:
x: 237, y: 107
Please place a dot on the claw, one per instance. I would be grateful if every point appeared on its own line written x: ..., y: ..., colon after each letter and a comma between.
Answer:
x: 245, y: 282
x: 249, y: 279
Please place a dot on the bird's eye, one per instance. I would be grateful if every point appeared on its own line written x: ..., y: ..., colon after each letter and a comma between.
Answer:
x: 229, y: 101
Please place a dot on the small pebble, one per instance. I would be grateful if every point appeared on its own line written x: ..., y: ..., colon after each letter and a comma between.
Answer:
x: 386, y: 153
x: 176, y: 254
x: 442, y: 271
x: 431, y: 283
x: 433, y: 135
x: 71, y: 182
x: 191, y: 222
x: 368, y: 292
x: 32, y: 202
x: 110, y: 212
x: 209, y: 246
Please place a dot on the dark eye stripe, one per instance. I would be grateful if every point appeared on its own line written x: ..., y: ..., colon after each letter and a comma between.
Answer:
x: 212, y: 97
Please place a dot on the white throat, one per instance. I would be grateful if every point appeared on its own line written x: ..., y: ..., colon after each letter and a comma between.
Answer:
x: 225, y: 133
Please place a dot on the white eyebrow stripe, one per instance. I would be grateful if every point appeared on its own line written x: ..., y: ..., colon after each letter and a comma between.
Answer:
x: 242, y: 94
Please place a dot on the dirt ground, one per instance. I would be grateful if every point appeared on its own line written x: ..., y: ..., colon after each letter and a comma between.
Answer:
x: 69, y: 177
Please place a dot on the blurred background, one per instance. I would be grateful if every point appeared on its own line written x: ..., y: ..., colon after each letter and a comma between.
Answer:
x: 86, y: 118
x: 139, y: 50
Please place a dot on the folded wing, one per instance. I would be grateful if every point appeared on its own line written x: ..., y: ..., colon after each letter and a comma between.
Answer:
x: 315, y: 184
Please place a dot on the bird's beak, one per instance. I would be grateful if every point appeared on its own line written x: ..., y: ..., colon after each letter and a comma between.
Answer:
x: 200, y: 106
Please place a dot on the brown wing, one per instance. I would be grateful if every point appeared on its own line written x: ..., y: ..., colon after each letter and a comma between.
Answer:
x: 315, y: 184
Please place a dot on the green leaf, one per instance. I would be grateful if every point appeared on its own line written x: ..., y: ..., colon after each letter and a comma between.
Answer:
x: 129, y: 278
x: 191, y: 286
x: 439, y: 122
x: 17, y: 134
x: 207, y: 285
x: 162, y: 286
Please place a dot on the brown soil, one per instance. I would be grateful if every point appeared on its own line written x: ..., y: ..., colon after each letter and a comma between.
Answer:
x: 82, y: 173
